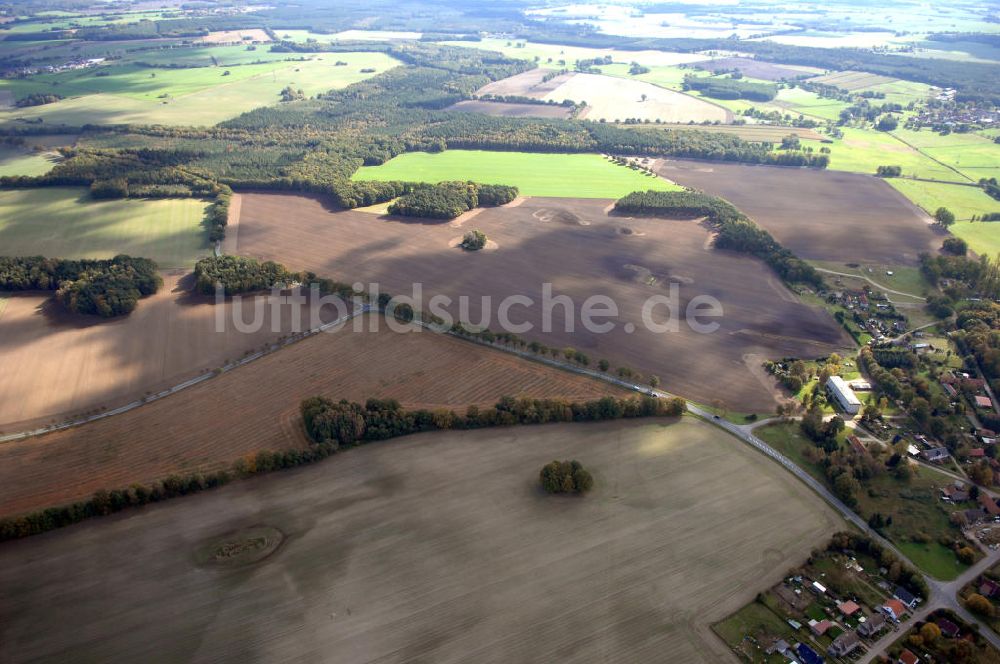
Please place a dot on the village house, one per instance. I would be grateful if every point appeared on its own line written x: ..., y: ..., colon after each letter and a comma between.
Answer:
x: 983, y: 402
x: 956, y: 492
x: 948, y: 628
x: 907, y: 657
x: 977, y: 453
x: 843, y: 395
x: 857, y: 445
x: 872, y: 626
x: 989, y: 504
x: 989, y: 588
x: 894, y: 609
x: 906, y: 597
x: 820, y: 627
x: 935, y: 454
x: 844, y: 645
x: 848, y: 608
x: 807, y: 655
x: 974, y: 516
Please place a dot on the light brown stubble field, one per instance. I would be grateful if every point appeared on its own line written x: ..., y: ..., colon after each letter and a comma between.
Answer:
x: 435, y: 547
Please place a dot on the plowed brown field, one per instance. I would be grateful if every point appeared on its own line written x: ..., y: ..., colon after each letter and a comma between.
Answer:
x: 579, y: 249
x: 820, y: 215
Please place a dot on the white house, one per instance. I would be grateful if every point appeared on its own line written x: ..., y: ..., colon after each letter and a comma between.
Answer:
x: 843, y: 395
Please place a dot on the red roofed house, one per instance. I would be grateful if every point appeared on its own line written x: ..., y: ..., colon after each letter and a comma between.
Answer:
x: 983, y: 402
x: 948, y: 628
x: 989, y: 504
x: 848, y: 608
x: 819, y: 628
x: 907, y: 657
x: 977, y: 453
x: 857, y: 445
x: 894, y: 609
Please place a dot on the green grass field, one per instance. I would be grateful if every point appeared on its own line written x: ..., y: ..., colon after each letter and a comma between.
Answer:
x: 15, y: 161
x: 194, y: 96
x: 66, y: 223
x: 864, y: 150
x: 561, y: 175
x: 914, y: 505
x: 983, y: 237
x: 972, y: 155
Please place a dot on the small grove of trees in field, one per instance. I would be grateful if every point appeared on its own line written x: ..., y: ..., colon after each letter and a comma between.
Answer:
x: 889, y: 171
x: 955, y: 246
x: 447, y: 200
x: 736, y: 231
x: 730, y: 88
x: 566, y: 477
x: 107, y: 288
x: 344, y: 423
x: 37, y: 99
x: 944, y: 216
x: 474, y: 240
x: 239, y: 274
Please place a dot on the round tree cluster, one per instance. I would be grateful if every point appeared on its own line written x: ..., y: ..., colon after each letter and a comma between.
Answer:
x: 566, y: 477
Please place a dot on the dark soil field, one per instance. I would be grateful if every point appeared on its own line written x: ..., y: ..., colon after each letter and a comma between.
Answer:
x: 820, y: 215
x: 767, y: 71
x: 431, y: 548
x: 581, y: 251
x: 256, y: 407
x: 511, y: 110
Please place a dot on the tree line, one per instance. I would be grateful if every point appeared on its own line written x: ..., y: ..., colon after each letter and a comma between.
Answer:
x: 106, y: 288
x: 347, y: 424
x: 239, y: 274
x: 735, y: 231
x: 730, y: 88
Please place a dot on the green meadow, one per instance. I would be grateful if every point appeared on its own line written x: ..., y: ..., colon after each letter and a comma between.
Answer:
x: 534, y: 174
x: 196, y: 96
x: 64, y: 222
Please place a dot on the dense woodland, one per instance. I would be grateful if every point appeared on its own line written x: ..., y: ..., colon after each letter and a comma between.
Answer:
x: 447, y: 200
x: 104, y: 288
x: 736, y: 231
x: 730, y: 88
x: 239, y: 274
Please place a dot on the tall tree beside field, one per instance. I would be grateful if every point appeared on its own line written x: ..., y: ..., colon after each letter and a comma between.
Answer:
x: 944, y: 216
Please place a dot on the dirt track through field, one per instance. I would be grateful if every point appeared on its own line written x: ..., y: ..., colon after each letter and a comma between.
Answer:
x: 436, y: 547
x: 256, y: 407
x: 819, y: 215
x: 581, y: 251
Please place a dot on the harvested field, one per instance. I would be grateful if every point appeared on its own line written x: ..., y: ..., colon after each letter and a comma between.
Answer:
x: 526, y: 84
x: 504, y: 109
x: 391, y: 555
x: 611, y: 98
x: 196, y: 429
x: 819, y: 215
x: 574, y: 245
x: 55, y: 364
x: 852, y: 80
x: 234, y: 37
x: 767, y: 71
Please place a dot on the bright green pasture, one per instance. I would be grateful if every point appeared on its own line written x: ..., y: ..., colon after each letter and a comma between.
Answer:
x: 561, y: 175
x: 983, y: 237
x: 66, y: 223
x: 972, y: 155
x: 864, y: 150
x: 207, y: 56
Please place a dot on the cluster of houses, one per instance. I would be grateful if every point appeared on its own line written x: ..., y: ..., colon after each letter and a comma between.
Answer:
x: 959, y: 492
x: 80, y: 63
x: 954, y: 117
x: 847, y: 613
x: 872, y: 311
